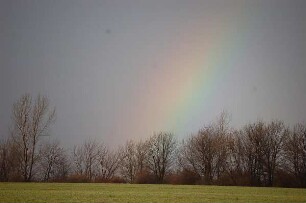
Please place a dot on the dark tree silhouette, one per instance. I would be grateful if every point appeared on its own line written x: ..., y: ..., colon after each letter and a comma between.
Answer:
x: 31, y: 121
x: 161, y: 155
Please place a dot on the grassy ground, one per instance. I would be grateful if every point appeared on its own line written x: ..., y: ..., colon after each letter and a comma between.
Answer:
x: 98, y: 192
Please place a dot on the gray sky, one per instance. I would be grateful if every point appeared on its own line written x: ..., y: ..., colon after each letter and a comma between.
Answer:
x: 117, y: 70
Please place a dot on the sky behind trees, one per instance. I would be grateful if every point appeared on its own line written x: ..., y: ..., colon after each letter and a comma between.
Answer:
x: 118, y: 70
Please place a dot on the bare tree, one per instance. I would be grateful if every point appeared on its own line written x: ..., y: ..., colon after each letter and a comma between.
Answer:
x: 9, y: 163
x: 63, y: 167
x: 52, y: 161
x: 91, y: 152
x: 295, y: 153
x: 133, y: 160
x: 206, y: 153
x: 93, y: 160
x: 161, y: 155
x: 222, y: 135
x: 141, y: 155
x: 128, y: 162
x: 109, y: 162
x: 263, y: 144
x: 78, y: 160
x: 200, y: 154
x: 236, y: 166
x: 274, y: 142
x: 4, y: 161
x: 31, y: 121
x: 254, y: 145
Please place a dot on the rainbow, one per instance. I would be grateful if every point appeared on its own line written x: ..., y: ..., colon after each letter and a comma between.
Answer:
x: 187, y: 80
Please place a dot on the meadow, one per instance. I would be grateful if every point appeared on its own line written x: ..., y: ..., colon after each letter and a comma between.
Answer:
x: 100, y: 192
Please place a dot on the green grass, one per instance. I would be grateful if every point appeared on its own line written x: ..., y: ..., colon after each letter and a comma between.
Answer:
x: 98, y: 192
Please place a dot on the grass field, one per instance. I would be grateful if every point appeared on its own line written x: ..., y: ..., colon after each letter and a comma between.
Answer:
x: 98, y: 192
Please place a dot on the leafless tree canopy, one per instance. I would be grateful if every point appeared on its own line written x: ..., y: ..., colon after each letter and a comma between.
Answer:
x: 295, y: 153
x: 93, y: 160
x: 206, y: 153
x: 263, y: 144
x: 53, y: 162
x: 31, y: 120
x: 160, y: 158
x: 129, y: 161
x: 258, y: 154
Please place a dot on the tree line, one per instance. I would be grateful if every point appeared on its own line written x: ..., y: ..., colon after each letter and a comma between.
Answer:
x: 258, y: 154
